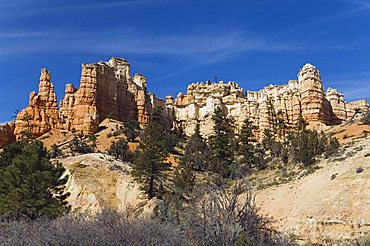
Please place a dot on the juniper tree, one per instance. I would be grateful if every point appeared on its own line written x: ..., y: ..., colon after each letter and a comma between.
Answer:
x: 30, y: 185
x: 222, y: 145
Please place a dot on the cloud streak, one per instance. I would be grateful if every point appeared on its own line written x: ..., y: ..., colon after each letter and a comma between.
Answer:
x: 41, y: 6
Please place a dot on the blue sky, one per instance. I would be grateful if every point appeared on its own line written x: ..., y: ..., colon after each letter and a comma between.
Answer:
x: 176, y: 42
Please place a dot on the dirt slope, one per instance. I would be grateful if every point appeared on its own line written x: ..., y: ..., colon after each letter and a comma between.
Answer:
x: 332, y: 203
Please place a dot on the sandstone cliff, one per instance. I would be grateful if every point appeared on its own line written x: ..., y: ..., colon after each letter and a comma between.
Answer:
x: 41, y: 114
x: 7, y: 134
x: 303, y: 97
x: 107, y: 90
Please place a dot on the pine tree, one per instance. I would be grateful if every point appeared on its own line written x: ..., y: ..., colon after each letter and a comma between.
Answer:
x: 246, y: 149
x: 184, y: 181
x: 30, y: 185
x: 149, y: 167
x: 197, y: 153
x: 222, y: 145
x: 120, y: 150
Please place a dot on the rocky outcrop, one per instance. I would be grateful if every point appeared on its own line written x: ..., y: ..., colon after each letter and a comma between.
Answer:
x: 97, y: 181
x: 7, y: 134
x: 41, y: 114
x: 312, y: 96
x: 304, y: 97
x: 106, y: 91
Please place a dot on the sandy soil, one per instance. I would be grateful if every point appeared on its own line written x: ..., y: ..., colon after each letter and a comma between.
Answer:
x: 331, y: 203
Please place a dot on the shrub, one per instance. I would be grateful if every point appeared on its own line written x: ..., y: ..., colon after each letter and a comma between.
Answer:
x: 106, y: 228
x: 366, y: 119
x: 55, y: 151
x: 332, y: 147
x: 120, y: 150
x: 77, y: 145
x: 214, y: 215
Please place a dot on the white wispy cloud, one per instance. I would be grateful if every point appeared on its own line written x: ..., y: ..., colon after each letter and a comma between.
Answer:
x: 20, y: 8
x: 360, y: 6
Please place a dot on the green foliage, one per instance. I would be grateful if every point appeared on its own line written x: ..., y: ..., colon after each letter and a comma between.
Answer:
x: 131, y: 130
x: 27, y: 133
x: 149, y: 167
x: 78, y: 145
x: 120, y: 150
x: 184, y: 181
x: 366, y: 119
x: 307, y: 144
x: 247, y: 156
x: 270, y: 142
x: 243, y: 241
x: 91, y: 138
x: 332, y: 147
x: 222, y: 145
x: 197, y: 153
x: 30, y: 185
x: 157, y: 117
x: 300, y: 145
x: 55, y: 151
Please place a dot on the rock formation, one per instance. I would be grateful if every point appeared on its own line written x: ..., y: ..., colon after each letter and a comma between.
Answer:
x: 107, y: 90
x: 304, y: 97
x: 7, y: 134
x: 41, y: 114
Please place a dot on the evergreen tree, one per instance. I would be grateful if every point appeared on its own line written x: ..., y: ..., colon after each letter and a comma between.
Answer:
x: 55, y: 151
x: 197, y: 153
x: 120, y: 150
x: 184, y: 181
x: 246, y: 149
x: 304, y: 144
x: 269, y: 142
x: 149, y: 167
x: 131, y: 130
x: 30, y: 185
x: 332, y: 147
x: 222, y: 145
x: 323, y: 141
x: 78, y: 145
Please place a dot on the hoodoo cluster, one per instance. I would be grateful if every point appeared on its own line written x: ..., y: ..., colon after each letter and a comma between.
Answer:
x: 107, y: 90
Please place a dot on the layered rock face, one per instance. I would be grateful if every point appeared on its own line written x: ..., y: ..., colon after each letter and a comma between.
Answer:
x: 42, y: 114
x: 312, y: 96
x: 304, y: 97
x: 106, y: 91
x: 7, y: 134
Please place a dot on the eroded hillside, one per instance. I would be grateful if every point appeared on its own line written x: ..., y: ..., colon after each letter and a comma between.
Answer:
x: 332, y: 203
